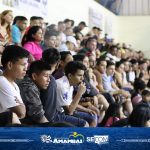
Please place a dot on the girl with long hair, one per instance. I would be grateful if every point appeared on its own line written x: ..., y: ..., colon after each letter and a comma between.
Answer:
x: 6, y: 18
x: 31, y: 42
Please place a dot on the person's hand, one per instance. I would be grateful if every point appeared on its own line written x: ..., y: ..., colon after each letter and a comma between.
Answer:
x: 82, y: 88
x: 125, y: 94
x: 91, y: 112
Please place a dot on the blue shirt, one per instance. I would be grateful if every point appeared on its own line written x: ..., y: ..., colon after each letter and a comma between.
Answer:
x: 16, y: 34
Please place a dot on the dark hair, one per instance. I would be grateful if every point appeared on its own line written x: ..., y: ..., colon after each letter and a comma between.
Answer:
x: 139, y: 115
x: 90, y: 39
x: 125, y: 60
x: 67, y: 20
x: 148, y: 84
x: 72, y: 23
x: 111, y: 48
x: 145, y: 93
x: 79, y: 57
x: 118, y: 64
x: 109, y: 63
x: 64, y: 54
x: 34, y: 18
x: 148, y: 68
x: 76, y: 35
x: 99, y: 60
x: 94, y: 27
x: 51, y: 55
x: 139, y: 85
x: 50, y: 33
x: 73, y: 66
x: 97, y: 28
x: 13, y: 53
x: 82, y: 23
x: 112, y: 111
x: 142, y: 62
x: 37, y: 67
x: 40, y: 18
x: 29, y: 36
x: 19, y: 18
x: 133, y: 61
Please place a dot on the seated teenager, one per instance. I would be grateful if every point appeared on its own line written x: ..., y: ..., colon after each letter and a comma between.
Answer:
x: 38, y: 78
x: 49, y: 97
x: 14, y: 61
x: 111, y: 87
x: 74, y: 72
x: 99, y: 70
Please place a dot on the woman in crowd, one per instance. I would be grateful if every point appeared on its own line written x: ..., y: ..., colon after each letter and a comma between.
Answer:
x: 6, y: 18
x: 31, y: 42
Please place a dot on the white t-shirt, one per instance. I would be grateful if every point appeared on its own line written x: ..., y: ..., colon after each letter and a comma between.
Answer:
x: 132, y: 76
x: 8, y: 94
x: 107, y: 83
x: 64, y: 91
x: 63, y: 47
x: 111, y: 57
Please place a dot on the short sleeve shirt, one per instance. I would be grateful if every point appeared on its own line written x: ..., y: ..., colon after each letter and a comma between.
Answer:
x: 107, y: 81
x: 16, y: 34
x: 64, y: 91
x: 8, y: 94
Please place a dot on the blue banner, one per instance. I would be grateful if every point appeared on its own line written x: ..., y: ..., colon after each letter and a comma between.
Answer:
x: 74, y: 138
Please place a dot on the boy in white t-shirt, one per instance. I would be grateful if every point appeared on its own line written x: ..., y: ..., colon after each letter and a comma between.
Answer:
x: 14, y: 61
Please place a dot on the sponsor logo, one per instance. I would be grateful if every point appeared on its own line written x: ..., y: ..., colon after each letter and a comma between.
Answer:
x: 73, y: 138
x: 98, y: 139
x: 46, y: 139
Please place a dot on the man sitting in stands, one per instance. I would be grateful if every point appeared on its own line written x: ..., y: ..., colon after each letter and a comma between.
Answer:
x: 14, y: 61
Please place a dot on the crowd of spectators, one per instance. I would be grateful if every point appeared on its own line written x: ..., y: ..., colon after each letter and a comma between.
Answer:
x: 54, y: 75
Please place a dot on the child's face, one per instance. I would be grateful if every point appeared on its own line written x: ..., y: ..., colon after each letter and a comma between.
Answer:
x: 77, y: 78
x: 42, y: 80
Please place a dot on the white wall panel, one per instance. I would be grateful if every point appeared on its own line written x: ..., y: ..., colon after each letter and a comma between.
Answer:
x: 135, y: 7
